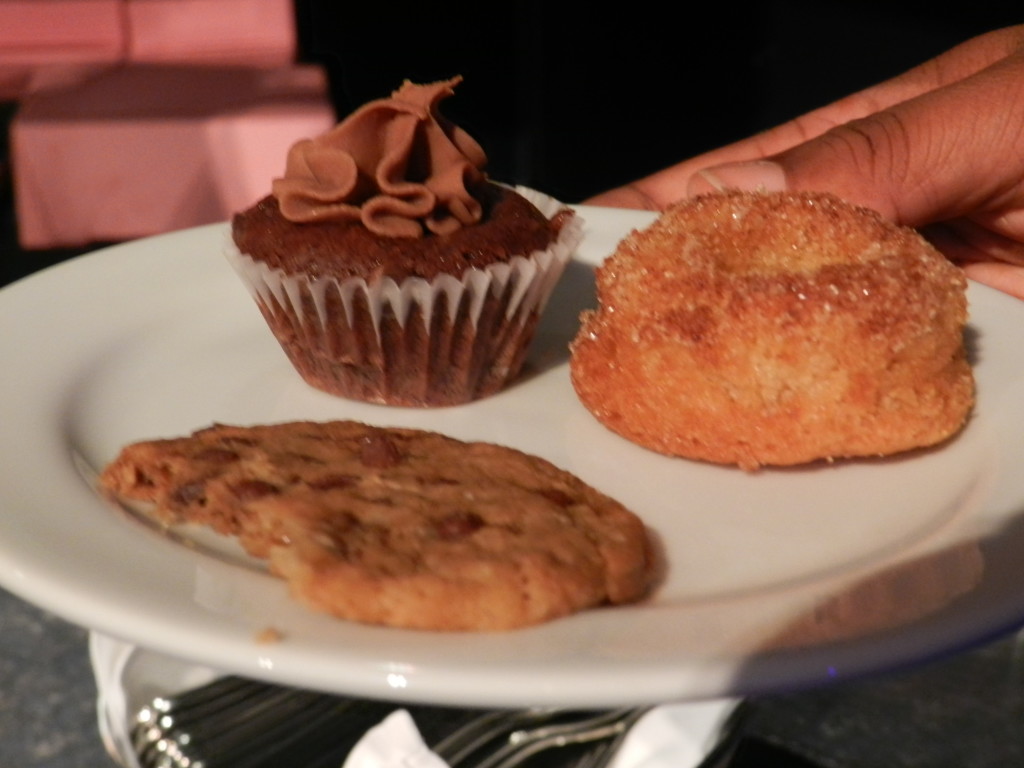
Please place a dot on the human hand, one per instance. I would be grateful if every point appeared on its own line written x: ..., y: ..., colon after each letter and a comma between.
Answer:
x: 940, y: 148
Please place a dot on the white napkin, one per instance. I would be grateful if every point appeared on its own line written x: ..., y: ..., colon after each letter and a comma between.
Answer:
x: 109, y: 659
x: 674, y: 735
x: 128, y: 678
x: 394, y: 743
x: 669, y: 736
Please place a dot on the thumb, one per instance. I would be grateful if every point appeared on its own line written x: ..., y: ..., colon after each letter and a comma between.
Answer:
x: 949, y: 152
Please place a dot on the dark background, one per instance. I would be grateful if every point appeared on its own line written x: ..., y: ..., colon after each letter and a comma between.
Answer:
x: 575, y: 98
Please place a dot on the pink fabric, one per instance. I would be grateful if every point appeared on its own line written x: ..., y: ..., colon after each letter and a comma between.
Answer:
x: 147, y: 149
x: 211, y: 31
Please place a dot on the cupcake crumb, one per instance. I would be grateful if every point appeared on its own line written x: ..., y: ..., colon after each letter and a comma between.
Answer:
x: 269, y: 635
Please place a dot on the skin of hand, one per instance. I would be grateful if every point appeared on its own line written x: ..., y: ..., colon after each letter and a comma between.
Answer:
x: 939, y: 148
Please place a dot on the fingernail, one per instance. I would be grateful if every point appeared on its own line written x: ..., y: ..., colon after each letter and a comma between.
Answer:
x: 756, y: 176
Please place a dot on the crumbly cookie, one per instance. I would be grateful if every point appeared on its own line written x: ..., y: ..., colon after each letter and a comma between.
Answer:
x: 399, y: 527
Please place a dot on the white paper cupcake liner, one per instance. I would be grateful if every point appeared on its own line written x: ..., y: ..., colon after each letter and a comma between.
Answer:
x: 304, y: 314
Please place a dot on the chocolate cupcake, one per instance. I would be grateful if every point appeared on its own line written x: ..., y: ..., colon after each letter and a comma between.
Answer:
x: 391, y: 269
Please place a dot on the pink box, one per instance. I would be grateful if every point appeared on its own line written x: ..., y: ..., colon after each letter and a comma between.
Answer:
x: 260, y: 32
x: 146, y: 149
x: 53, y: 43
x: 57, y: 42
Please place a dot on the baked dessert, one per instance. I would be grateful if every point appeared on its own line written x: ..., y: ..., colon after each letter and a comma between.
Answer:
x: 399, y: 527
x: 775, y: 329
x: 390, y: 268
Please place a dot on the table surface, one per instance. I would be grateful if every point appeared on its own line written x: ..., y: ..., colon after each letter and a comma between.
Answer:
x: 47, y: 693
x: 961, y: 712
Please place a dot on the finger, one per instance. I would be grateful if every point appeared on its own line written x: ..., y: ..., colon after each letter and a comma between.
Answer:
x: 935, y: 157
x: 623, y: 197
x: 660, y: 189
x: 964, y: 240
x: 1008, y: 278
x: 939, y: 156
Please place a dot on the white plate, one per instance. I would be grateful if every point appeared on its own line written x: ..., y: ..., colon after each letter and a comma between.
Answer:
x: 157, y: 338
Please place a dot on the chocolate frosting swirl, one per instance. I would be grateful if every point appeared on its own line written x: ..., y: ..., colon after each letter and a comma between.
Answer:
x: 395, y: 164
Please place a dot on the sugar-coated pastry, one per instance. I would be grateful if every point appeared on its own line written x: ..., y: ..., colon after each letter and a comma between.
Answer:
x: 776, y: 329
